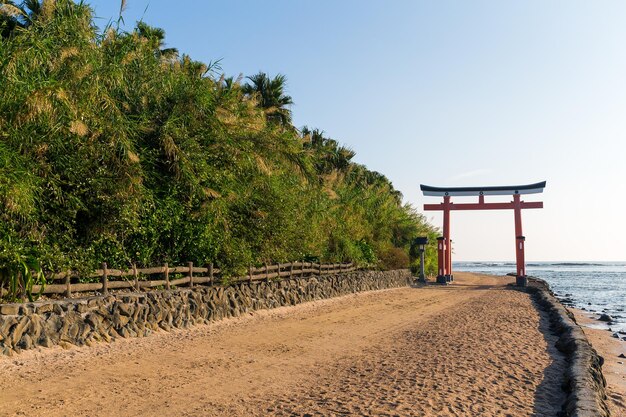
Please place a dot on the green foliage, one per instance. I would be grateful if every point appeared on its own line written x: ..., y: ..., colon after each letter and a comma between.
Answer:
x: 394, y: 258
x: 270, y: 96
x: 367, y: 252
x: 115, y: 149
x: 19, y: 271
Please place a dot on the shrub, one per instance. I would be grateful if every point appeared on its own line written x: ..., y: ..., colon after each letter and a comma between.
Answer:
x: 393, y: 258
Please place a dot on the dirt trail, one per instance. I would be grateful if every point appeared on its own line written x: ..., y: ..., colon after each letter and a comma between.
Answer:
x: 472, y: 348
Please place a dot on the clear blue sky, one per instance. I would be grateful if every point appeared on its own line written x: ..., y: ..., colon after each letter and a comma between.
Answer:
x: 446, y: 93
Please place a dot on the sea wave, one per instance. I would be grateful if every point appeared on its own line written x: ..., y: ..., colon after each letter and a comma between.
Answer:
x: 483, y: 264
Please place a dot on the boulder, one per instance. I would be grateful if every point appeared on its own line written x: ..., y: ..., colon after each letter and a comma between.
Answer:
x: 606, y: 318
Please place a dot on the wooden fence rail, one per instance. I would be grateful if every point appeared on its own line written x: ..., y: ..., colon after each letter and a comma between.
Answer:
x: 135, y: 278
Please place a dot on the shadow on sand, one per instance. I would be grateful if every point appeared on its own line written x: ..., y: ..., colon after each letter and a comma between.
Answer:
x: 549, y: 394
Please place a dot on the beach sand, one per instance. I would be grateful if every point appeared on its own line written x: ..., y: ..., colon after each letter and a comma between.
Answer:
x: 614, y: 368
x: 476, y: 347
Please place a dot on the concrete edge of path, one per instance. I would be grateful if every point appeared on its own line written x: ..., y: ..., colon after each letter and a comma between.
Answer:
x: 584, y: 382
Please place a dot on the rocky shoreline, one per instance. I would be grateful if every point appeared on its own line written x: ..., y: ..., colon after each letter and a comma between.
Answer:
x: 584, y: 384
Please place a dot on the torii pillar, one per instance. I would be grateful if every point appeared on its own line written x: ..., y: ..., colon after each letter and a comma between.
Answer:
x: 444, y: 243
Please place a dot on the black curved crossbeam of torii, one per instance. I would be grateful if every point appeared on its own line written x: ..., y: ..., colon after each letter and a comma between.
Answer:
x: 489, y: 190
x: 444, y: 242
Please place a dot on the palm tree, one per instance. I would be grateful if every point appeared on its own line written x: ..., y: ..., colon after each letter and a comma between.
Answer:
x: 13, y: 16
x: 329, y: 155
x: 271, y: 96
x: 156, y: 37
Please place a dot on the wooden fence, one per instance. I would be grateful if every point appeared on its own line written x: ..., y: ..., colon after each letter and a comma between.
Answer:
x: 137, y: 278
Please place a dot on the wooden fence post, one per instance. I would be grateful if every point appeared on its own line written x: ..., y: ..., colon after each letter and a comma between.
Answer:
x: 105, y: 279
x: 190, y: 265
x: 291, y: 270
x: 166, y: 271
x: 136, y: 276
x: 267, y: 274
x: 211, y: 273
x: 319, y: 268
x: 68, y: 285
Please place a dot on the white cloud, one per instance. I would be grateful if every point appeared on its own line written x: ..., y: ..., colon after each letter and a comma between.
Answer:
x: 470, y: 174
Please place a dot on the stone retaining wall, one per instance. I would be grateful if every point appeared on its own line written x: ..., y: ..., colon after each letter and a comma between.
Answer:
x: 584, y: 383
x: 103, y: 318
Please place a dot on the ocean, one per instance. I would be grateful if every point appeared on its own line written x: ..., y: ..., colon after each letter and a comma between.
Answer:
x: 597, y: 287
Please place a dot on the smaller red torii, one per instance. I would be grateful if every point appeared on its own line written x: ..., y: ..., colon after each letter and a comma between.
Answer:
x: 444, y: 242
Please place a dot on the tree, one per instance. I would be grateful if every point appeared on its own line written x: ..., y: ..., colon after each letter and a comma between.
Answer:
x: 271, y: 97
x: 156, y: 37
x: 14, y: 17
x: 329, y: 156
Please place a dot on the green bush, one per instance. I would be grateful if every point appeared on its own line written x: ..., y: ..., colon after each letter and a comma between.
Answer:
x: 393, y: 258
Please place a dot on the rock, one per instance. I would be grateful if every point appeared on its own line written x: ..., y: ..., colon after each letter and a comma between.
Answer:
x: 57, y: 309
x: 44, y: 308
x: 26, y: 342
x: 73, y: 331
x: 621, y: 355
x: 6, y: 323
x: 605, y: 317
x: 120, y: 321
x: 26, y: 309
x: 18, y: 330
x: 9, y: 309
x: 113, y: 333
x: 45, y: 341
x: 54, y: 324
x: 35, y: 325
x: 82, y: 307
x: 94, y: 320
x: 620, y: 362
x: 615, y: 335
x: 124, y: 309
x: 65, y: 345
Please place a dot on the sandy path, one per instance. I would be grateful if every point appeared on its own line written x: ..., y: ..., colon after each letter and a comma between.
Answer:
x: 473, y: 348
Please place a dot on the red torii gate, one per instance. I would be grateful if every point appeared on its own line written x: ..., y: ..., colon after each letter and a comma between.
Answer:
x: 444, y: 242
